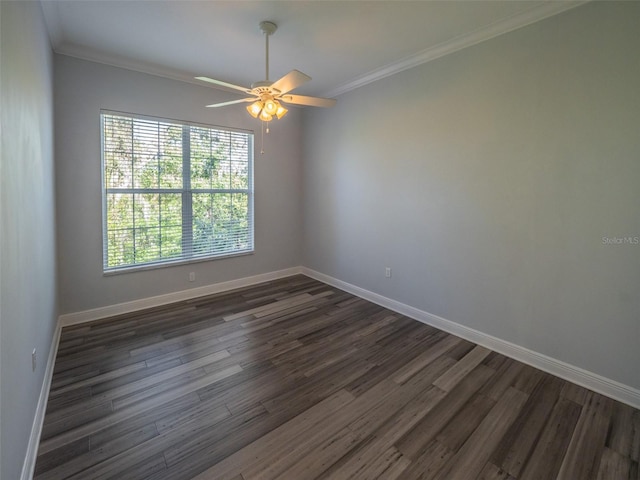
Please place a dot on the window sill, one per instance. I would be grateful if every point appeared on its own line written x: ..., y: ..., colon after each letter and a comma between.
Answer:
x: 175, y: 263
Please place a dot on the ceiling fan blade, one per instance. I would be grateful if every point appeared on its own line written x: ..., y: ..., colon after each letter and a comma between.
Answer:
x: 232, y: 102
x: 224, y: 84
x: 310, y: 101
x: 291, y: 80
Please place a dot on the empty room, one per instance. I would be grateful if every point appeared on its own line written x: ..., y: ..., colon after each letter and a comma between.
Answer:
x: 304, y: 240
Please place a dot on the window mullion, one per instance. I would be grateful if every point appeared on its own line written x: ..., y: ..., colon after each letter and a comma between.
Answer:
x: 133, y: 186
x: 187, y: 203
x: 159, y: 183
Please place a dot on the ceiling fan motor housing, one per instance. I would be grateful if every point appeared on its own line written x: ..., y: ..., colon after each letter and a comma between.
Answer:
x: 263, y: 86
x: 268, y: 28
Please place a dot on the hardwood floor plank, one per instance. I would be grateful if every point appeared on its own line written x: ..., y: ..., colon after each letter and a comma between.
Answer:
x: 312, y: 389
x: 452, y: 377
x: 461, y: 350
x: 81, y: 416
x: 390, y: 464
x: 69, y: 398
x: 258, y: 385
x: 279, y: 438
x: 118, y: 372
x: 382, y: 432
x: 635, y: 434
x: 429, y: 462
x: 505, y: 377
x: 583, y: 456
x: 205, y: 450
x: 149, y: 469
x: 108, y: 385
x: 360, y: 407
x: 159, y: 378
x: 61, y: 456
x: 387, y: 361
x: 148, y: 416
x: 456, y: 432
x: 476, y: 451
x: 128, y: 412
x: 624, y: 435
x: 528, y: 378
x: 178, y: 342
x: 613, y: 465
x: 324, y: 455
x: 492, y: 472
x: 394, y: 470
x: 425, y: 359
x: 421, y: 435
x: 270, y: 307
x: 400, y: 396
x: 408, y: 416
x: 575, y: 393
x: 550, y: 449
x: 516, y: 446
x: 123, y: 461
x: 375, y: 326
x: 367, y: 416
x: 94, y: 456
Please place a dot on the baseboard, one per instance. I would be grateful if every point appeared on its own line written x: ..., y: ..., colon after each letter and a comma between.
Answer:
x: 577, y: 375
x: 29, y: 464
x: 68, y: 319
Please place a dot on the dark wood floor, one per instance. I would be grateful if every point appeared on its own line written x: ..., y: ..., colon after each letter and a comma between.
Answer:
x: 294, y: 379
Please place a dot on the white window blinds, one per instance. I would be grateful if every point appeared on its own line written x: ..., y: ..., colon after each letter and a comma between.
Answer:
x: 174, y: 192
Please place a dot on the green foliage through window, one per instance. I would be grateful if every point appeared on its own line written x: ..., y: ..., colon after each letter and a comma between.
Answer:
x: 174, y: 191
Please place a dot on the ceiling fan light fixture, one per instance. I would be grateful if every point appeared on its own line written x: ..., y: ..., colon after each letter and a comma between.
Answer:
x: 265, y: 117
x: 255, y: 108
x: 271, y: 106
x: 281, y: 111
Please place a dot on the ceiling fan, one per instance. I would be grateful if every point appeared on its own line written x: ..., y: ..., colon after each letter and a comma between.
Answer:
x: 267, y: 95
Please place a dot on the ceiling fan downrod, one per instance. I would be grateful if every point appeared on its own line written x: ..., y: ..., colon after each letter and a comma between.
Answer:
x: 268, y: 28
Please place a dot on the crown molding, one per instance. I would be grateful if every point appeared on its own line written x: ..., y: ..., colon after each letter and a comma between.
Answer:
x: 51, y: 16
x: 62, y: 47
x: 519, y: 20
x: 76, y: 51
x: 535, y: 14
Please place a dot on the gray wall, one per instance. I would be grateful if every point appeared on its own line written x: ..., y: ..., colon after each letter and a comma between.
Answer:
x: 82, y: 89
x: 487, y: 180
x: 28, y: 309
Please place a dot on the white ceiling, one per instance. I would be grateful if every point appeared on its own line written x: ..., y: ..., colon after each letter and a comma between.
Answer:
x: 341, y: 44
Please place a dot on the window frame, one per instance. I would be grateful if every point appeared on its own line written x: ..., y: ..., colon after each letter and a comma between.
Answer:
x: 187, y: 195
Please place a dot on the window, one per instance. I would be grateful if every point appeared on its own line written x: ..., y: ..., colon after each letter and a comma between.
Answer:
x: 174, y: 192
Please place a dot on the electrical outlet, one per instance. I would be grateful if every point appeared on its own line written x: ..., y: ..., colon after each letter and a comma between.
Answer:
x: 192, y: 276
x: 34, y: 360
x: 387, y: 272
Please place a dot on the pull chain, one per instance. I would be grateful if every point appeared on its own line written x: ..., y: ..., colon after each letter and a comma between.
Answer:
x: 262, y: 140
x: 262, y: 137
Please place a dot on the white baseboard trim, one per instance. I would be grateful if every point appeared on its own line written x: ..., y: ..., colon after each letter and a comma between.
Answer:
x: 29, y: 465
x: 68, y: 319
x: 577, y: 375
